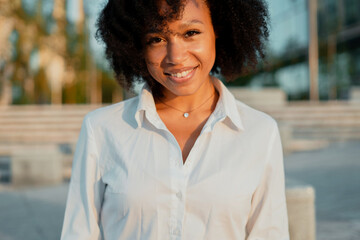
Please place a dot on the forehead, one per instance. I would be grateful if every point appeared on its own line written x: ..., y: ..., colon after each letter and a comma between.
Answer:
x: 186, y: 12
x: 164, y: 7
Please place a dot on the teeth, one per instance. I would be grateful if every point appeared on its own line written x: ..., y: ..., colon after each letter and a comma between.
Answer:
x: 182, y: 74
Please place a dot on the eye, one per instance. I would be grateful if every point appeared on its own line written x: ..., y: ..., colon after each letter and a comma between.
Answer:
x: 191, y: 33
x: 154, y: 40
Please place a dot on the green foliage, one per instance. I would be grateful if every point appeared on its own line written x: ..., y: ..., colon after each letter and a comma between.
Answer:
x: 36, y: 29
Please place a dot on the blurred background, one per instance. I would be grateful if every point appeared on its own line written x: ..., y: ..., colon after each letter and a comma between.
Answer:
x: 53, y: 71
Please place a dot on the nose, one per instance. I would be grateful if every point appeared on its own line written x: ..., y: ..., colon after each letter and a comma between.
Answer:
x: 176, y: 52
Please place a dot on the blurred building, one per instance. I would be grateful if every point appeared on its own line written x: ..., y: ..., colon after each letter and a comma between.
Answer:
x: 287, y: 65
x: 48, y: 53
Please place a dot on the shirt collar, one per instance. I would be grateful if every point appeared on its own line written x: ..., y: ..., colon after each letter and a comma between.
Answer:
x: 226, y: 108
x: 146, y: 108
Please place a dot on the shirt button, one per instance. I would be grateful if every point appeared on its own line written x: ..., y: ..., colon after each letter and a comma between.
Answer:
x: 179, y: 195
x: 177, y: 232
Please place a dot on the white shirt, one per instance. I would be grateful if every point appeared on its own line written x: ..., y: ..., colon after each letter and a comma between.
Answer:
x: 129, y: 183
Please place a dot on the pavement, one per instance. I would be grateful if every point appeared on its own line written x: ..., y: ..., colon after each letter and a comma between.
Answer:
x: 32, y: 213
x: 36, y: 213
x: 334, y: 172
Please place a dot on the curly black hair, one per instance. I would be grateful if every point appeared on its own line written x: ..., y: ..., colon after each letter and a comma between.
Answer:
x: 240, y: 26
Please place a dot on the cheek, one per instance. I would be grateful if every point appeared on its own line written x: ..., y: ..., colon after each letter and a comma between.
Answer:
x: 154, y: 56
x: 153, y: 61
x: 152, y: 66
x: 212, y: 47
x: 150, y: 63
x: 153, y: 70
x: 205, y: 52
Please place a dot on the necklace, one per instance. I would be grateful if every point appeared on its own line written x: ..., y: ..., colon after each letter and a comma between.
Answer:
x: 187, y: 114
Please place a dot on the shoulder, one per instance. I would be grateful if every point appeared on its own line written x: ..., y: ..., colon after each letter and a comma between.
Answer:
x: 260, y: 129
x: 255, y: 119
x: 115, y: 113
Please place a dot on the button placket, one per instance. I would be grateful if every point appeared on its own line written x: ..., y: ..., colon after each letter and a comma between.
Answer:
x: 177, y: 180
x: 194, y: 153
x: 177, y: 232
x: 179, y: 195
x: 177, y: 204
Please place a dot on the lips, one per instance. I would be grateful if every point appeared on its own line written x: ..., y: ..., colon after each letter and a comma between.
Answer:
x: 181, y: 75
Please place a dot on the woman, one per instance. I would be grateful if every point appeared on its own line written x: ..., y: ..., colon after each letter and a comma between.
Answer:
x: 184, y: 159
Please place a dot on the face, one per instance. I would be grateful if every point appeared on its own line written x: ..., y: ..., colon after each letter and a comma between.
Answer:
x: 181, y: 57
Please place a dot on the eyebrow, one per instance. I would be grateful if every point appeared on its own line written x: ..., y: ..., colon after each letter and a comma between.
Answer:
x: 194, y: 21
x: 184, y: 25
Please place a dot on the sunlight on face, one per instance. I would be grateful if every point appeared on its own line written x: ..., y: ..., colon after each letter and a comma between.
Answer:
x: 181, y: 57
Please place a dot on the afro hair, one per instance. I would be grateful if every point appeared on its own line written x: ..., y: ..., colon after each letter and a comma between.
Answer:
x: 241, y: 27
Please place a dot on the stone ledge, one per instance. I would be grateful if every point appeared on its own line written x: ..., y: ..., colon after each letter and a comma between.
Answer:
x: 300, y: 199
x: 36, y: 165
x: 268, y: 96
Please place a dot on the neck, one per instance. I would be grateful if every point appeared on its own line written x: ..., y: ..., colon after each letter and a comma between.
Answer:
x: 188, y: 102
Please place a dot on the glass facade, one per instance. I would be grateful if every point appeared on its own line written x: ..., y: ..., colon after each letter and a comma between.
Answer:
x: 66, y: 29
x: 287, y: 63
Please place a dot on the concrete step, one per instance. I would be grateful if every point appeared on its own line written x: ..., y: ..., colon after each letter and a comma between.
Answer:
x: 41, y: 120
x: 329, y: 135
x: 59, y: 124
x: 316, y: 115
x: 43, y: 110
x: 11, y: 127
x: 328, y: 123
x: 40, y: 137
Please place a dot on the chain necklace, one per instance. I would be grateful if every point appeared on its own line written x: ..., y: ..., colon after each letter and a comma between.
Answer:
x: 187, y: 113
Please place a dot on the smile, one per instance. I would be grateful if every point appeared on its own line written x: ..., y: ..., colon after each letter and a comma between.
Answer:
x: 182, y: 74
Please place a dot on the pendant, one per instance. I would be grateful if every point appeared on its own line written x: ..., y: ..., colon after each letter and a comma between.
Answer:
x: 186, y: 115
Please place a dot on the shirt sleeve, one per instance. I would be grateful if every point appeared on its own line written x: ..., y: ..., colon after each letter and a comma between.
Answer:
x: 86, y: 190
x: 268, y: 215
